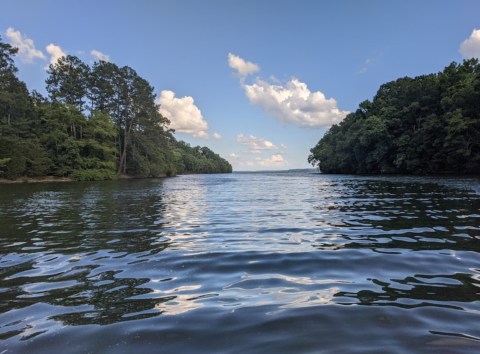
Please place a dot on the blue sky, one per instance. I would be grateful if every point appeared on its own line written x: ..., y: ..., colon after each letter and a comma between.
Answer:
x: 259, y: 82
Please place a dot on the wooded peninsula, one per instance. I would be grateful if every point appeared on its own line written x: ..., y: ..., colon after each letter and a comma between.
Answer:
x: 429, y: 124
x: 98, y: 122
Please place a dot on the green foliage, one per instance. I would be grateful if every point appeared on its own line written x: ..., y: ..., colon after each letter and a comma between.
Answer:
x: 7, y: 52
x: 24, y: 157
x: 15, y: 103
x: 100, y: 121
x: 426, y: 125
x: 198, y: 160
x: 67, y: 81
x: 94, y: 175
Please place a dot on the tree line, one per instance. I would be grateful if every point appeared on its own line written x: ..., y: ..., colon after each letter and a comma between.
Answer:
x: 97, y: 122
x: 429, y: 124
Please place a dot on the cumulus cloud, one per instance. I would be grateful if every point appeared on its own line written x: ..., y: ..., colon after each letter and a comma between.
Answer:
x: 216, y: 136
x: 184, y: 115
x: 470, y: 47
x: 26, y: 48
x: 55, y: 53
x: 243, y: 67
x: 99, y: 55
x: 294, y: 103
x: 255, y: 144
x: 290, y: 102
x: 260, y: 154
x: 274, y: 161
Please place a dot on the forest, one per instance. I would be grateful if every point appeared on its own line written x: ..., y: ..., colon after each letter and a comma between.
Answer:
x: 429, y: 124
x: 98, y: 122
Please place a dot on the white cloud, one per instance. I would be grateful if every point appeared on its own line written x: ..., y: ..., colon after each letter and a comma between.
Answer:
x: 243, y: 67
x: 291, y: 102
x: 26, y: 48
x: 216, y: 136
x: 276, y: 160
x: 100, y: 56
x: 294, y: 103
x: 55, y: 53
x: 261, y: 154
x: 470, y: 47
x: 255, y: 144
x: 184, y: 115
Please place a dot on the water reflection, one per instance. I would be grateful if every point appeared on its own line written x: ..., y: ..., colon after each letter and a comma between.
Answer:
x: 201, y: 248
x: 71, y: 249
x: 280, y: 290
x: 185, y: 216
x: 418, y: 290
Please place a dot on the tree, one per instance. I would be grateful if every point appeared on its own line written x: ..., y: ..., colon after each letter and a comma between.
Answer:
x: 199, y: 160
x: 7, y: 52
x: 97, y: 122
x: 130, y: 102
x: 15, y: 103
x: 67, y: 81
x: 423, y: 125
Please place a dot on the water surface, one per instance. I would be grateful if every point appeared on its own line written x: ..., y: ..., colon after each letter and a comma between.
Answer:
x: 247, y: 262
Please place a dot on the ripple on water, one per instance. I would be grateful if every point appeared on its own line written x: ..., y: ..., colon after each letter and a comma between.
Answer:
x: 245, y: 262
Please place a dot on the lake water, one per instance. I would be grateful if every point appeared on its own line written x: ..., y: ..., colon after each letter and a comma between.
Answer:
x: 241, y: 263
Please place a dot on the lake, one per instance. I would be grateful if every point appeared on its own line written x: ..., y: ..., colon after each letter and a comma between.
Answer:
x: 294, y: 262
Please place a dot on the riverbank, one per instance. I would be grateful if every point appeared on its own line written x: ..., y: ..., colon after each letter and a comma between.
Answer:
x: 52, y: 179
x: 48, y: 179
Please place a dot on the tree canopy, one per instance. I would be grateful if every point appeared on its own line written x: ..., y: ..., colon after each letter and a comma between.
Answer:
x: 98, y: 122
x: 429, y: 124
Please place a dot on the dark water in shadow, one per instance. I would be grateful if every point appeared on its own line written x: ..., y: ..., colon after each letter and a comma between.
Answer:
x: 279, y: 263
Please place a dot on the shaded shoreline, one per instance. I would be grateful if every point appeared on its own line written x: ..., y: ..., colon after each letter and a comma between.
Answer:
x: 52, y: 179
x: 36, y: 180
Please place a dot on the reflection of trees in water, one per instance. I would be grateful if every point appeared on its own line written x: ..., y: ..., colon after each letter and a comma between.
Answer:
x: 85, y: 218
x: 76, y: 244
x: 421, y: 290
x: 391, y: 245
x: 72, y: 234
x: 101, y: 299
x: 100, y: 233
x: 397, y: 217
x: 63, y: 238
x: 109, y: 303
x: 390, y: 217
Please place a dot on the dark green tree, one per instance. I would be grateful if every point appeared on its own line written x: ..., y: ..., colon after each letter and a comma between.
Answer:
x: 97, y: 122
x: 424, y: 125
x: 67, y: 81
x: 15, y: 102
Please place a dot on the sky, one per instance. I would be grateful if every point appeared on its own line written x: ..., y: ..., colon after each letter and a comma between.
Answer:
x: 257, y: 81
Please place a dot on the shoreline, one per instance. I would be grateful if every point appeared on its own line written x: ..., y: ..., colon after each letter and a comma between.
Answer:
x: 52, y: 179
x: 28, y: 180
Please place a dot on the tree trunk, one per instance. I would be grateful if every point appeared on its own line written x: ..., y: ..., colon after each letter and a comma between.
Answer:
x: 123, y: 156
x: 124, y: 153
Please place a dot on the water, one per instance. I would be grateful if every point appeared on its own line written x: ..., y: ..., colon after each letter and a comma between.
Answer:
x: 241, y: 263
